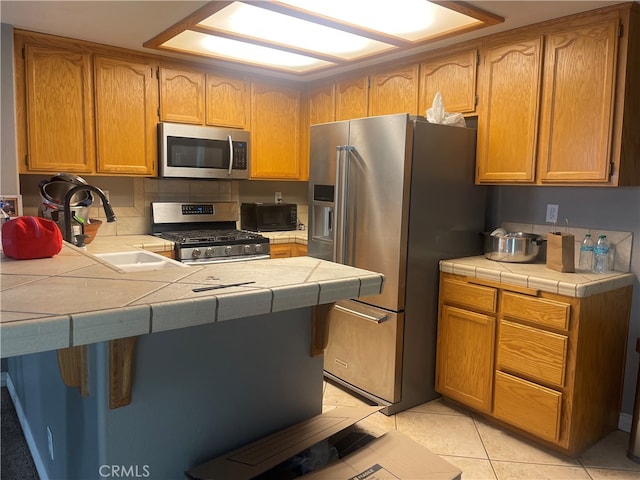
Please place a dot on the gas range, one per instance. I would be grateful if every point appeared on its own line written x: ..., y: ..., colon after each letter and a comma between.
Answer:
x: 205, y: 233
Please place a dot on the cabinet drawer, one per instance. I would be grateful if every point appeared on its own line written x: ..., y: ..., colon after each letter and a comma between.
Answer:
x: 533, y: 352
x: 538, y: 310
x: 468, y: 295
x: 363, y: 352
x: 528, y: 406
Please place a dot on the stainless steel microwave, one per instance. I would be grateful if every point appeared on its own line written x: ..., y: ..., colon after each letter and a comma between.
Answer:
x: 192, y: 151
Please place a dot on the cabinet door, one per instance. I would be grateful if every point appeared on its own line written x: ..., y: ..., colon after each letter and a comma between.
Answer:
x: 126, y: 116
x: 299, y: 250
x: 509, y: 110
x: 181, y: 96
x: 319, y: 106
x: 455, y: 78
x: 227, y: 102
x: 464, y: 365
x: 322, y: 105
x: 275, y: 121
x: 60, y: 134
x: 281, y: 250
x: 352, y: 98
x: 577, y: 108
x: 394, y: 91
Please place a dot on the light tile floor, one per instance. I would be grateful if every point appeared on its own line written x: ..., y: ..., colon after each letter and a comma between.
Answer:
x: 483, y: 451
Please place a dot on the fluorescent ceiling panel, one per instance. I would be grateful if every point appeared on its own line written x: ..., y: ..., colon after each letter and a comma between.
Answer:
x: 195, y: 42
x: 411, y: 20
x: 302, y: 36
x: 273, y: 27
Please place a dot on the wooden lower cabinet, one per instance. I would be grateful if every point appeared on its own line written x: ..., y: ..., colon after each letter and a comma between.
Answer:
x: 548, y: 366
x: 286, y: 250
x: 465, y: 356
x: 528, y: 406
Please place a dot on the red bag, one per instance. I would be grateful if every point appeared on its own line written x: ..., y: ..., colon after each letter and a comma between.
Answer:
x: 31, y: 237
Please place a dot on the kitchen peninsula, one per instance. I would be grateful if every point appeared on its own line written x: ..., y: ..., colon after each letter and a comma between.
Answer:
x: 205, y: 371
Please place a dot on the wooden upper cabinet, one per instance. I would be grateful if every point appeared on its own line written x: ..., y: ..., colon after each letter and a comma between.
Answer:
x: 454, y: 77
x: 509, y: 110
x: 275, y: 132
x: 578, y: 124
x: 181, y: 96
x: 59, y: 110
x: 126, y: 98
x: 394, y: 91
x: 322, y: 104
x: 577, y: 107
x: 228, y: 103
x: 352, y: 98
x: 318, y: 106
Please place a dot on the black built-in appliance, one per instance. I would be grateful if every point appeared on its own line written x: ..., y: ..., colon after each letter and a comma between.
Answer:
x: 205, y: 233
x: 268, y: 217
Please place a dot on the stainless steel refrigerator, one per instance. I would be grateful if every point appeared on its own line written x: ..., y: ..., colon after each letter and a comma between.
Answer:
x: 392, y: 194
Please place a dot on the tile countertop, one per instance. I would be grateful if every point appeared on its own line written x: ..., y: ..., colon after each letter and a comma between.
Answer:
x: 537, y: 276
x: 292, y: 236
x: 74, y: 298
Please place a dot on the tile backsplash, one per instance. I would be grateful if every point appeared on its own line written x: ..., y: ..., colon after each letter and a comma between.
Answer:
x: 620, y: 243
x: 131, y: 198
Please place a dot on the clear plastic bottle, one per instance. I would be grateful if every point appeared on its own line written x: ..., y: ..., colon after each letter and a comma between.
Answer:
x: 4, y: 216
x: 601, y: 255
x: 586, y: 254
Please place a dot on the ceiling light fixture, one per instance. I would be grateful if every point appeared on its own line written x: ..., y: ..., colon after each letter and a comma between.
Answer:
x: 303, y: 36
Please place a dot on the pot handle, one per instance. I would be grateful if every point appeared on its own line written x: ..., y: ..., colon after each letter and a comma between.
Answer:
x: 539, y: 241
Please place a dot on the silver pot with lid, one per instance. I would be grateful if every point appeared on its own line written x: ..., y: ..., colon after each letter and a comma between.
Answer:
x: 513, y: 247
x: 52, y: 193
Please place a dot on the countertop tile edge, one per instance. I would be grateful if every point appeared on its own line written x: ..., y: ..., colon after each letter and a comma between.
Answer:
x: 37, y: 335
x: 103, y: 325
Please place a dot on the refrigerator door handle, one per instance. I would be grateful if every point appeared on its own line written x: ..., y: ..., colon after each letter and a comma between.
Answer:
x: 340, y: 210
x: 371, y: 318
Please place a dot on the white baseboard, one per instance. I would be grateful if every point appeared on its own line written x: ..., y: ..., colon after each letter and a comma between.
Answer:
x: 624, y: 422
x: 35, y: 454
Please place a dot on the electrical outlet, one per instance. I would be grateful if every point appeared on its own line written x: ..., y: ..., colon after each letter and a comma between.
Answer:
x: 552, y: 213
x: 278, y: 197
x: 106, y: 194
x: 50, y: 442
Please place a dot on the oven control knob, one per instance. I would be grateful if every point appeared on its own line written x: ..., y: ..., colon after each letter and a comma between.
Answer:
x: 258, y: 248
x: 228, y: 250
x: 209, y: 252
x: 196, y: 252
x: 247, y: 249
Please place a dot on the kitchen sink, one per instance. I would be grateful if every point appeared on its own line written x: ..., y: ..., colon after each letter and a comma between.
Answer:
x: 139, y: 261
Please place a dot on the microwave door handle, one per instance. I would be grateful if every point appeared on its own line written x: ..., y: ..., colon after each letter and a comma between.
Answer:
x: 230, y: 154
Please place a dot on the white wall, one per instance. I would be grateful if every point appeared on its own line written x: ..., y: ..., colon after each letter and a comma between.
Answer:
x: 9, y: 165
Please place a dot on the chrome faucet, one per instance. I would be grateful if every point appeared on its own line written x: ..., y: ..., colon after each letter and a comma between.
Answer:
x: 108, y: 211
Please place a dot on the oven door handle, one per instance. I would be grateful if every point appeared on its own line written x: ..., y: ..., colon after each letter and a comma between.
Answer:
x: 230, y: 154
